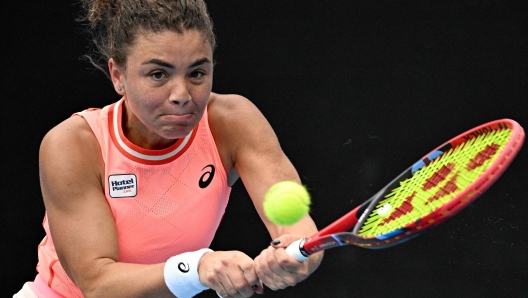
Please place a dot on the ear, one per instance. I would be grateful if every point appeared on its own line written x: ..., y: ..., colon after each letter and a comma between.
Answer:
x: 116, y: 75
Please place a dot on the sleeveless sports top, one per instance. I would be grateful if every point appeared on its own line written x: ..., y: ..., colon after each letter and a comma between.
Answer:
x: 164, y: 202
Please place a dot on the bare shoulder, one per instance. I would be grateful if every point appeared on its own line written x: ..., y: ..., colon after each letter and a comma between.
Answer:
x: 234, y: 114
x: 228, y: 116
x: 69, y: 153
x: 70, y: 137
x: 230, y: 108
x: 235, y: 118
x: 239, y: 128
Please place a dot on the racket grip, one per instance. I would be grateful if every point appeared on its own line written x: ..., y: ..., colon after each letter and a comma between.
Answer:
x: 295, y: 249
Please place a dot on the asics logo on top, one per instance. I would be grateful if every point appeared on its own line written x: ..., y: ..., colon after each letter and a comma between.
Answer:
x: 206, y: 177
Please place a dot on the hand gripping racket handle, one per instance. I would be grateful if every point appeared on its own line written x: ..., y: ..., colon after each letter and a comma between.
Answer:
x: 296, y: 250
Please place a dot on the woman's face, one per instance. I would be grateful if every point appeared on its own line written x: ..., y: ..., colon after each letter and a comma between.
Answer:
x: 166, y: 84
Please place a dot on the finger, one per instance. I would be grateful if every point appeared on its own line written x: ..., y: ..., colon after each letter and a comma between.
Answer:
x: 228, y: 289
x: 276, y: 263
x: 275, y: 276
x: 239, y: 287
x: 248, y: 268
x: 240, y: 278
x: 283, y: 241
x: 265, y: 274
x: 258, y: 288
x: 289, y: 263
x: 222, y: 290
x: 253, y: 281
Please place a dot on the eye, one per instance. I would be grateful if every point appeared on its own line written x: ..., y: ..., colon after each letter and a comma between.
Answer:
x: 196, y: 74
x: 158, y: 75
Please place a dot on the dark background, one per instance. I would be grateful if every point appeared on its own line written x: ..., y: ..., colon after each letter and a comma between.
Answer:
x: 356, y: 91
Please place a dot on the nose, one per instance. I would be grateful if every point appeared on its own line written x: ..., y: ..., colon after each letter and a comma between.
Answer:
x: 180, y: 94
x: 180, y: 101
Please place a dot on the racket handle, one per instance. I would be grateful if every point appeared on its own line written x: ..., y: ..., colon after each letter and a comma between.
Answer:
x: 295, y: 249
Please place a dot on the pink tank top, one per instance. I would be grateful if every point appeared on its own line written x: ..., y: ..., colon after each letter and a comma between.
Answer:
x: 164, y: 202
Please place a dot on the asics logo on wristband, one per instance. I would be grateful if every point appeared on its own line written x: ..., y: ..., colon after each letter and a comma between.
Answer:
x: 183, y: 267
x: 207, y: 177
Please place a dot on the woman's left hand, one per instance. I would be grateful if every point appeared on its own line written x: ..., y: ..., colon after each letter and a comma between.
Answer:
x: 278, y: 270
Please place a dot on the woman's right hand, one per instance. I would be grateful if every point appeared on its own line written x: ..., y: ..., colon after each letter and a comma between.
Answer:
x: 229, y: 273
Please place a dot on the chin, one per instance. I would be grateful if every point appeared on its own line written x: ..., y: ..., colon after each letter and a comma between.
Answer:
x: 176, y: 134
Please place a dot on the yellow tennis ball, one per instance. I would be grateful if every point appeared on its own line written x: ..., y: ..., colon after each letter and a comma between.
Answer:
x: 286, y: 202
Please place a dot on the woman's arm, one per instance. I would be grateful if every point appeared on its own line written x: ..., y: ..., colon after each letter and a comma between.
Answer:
x: 81, y: 222
x: 247, y: 141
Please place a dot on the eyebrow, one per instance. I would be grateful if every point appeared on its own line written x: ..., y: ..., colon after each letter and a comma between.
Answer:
x: 168, y: 65
x: 200, y: 62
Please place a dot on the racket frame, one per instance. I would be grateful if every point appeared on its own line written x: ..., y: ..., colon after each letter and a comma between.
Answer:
x: 335, y: 234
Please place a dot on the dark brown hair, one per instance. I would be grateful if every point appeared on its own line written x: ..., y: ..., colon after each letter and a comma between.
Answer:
x: 114, y: 24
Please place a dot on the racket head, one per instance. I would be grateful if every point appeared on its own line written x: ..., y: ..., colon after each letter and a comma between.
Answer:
x: 436, y: 187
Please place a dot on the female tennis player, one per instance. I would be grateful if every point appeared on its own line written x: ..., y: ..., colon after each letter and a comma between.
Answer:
x: 134, y: 192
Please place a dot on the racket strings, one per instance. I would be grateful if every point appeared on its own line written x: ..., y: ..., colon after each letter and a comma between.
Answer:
x: 435, y: 184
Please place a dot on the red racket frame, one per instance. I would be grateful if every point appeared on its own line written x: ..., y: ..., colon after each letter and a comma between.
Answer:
x: 335, y: 235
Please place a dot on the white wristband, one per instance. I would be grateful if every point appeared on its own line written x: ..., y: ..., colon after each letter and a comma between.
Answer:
x: 181, y: 274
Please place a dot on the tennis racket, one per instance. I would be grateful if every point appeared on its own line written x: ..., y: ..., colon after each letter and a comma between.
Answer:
x: 431, y: 190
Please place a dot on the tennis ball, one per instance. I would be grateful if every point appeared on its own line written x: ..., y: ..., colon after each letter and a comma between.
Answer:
x: 286, y: 202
